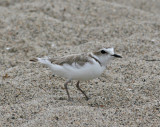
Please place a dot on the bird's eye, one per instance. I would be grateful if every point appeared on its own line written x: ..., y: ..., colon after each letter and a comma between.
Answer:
x: 103, y: 52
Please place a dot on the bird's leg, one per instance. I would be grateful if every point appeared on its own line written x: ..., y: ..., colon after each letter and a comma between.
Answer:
x: 65, y: 86
x: 77, y: 85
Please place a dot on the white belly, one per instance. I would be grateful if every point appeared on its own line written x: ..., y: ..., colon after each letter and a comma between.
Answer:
x: 86, y: 72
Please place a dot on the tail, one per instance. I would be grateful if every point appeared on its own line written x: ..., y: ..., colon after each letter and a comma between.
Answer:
x: 56, y: 69
x: 41, y: 60
x: 34, y: 60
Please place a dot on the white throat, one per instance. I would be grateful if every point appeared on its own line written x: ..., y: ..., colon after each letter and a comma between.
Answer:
x: 103, y: 60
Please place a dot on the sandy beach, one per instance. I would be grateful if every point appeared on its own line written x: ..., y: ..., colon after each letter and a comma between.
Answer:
x: 128, y: 92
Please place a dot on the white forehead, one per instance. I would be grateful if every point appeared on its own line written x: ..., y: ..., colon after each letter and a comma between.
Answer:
x: 109, y: 50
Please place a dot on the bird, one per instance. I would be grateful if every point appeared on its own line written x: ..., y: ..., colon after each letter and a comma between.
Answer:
x: 80, y: 67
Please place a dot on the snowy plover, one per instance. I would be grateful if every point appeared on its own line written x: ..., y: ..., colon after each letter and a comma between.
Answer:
x: 80, y: 67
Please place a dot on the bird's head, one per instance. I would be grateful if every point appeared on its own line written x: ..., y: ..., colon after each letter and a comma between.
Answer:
x: 104, y: 55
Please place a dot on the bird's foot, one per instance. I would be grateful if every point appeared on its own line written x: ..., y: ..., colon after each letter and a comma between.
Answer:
x: 87, y: 98
x: 70, y: 99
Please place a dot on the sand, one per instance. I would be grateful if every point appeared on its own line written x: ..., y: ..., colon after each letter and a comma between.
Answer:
x: 127, y: 93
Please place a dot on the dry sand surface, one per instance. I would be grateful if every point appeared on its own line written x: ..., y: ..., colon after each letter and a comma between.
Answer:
x: 127, y: 93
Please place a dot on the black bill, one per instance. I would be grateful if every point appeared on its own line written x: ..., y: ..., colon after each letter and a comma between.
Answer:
x: 118, y: 56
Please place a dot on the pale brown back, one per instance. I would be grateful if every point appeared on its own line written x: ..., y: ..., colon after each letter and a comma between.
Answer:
x: 80, y: 59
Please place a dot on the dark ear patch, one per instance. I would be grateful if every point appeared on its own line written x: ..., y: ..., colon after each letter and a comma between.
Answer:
x: 103, y: 52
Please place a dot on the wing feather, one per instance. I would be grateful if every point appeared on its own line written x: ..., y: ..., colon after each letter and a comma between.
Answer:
x: 80, y: 59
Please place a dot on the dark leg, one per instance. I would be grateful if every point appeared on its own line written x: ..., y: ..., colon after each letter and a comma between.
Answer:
x: 65, y: 86
x: 77, y: 85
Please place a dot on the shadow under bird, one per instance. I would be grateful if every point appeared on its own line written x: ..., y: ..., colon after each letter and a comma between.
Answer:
x: 80, y: 67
